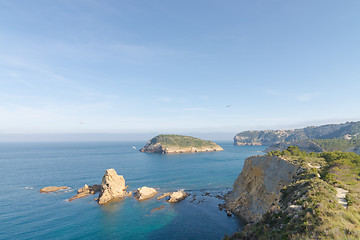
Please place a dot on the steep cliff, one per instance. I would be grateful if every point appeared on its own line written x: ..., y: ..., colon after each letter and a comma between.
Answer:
x: 179, y: 144
x: 258, y: 186
x: 269, y: 137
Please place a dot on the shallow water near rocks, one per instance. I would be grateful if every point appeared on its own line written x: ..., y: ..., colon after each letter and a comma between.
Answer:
x: 27, y: 214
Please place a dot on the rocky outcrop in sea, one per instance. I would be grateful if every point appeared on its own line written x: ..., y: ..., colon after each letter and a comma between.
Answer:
x: 112, y: 186
x: 52, y: 189
x: 145, y: 193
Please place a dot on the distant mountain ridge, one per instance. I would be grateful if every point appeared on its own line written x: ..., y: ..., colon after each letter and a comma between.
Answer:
x: 346, y: 130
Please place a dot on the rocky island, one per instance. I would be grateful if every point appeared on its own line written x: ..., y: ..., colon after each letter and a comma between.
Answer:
x: 179, y: 144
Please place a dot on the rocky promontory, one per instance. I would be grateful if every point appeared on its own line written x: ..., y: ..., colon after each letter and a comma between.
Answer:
x: 179, y: 144
x: 258, y: 186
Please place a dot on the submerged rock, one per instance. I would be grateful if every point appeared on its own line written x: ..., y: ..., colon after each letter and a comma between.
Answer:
x: 85, y: 191
x: 112, y: 186
x: 52, y: 189
x: 145, y: 193
x: 158, y: 208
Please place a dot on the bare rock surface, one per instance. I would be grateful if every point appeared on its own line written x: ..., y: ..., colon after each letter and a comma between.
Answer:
x: 258, y: 186
x: 164, y: 195
x: 52, y: 189
x: 112, y: 186
x: 341, y: 196
x: 177, y: 196
x: 145, y: 193
x: 85, y: 191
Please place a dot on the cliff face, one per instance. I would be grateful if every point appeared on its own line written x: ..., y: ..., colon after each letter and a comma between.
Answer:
x: 258, y: 186
x: 269, y: 137
x: 179, y: 144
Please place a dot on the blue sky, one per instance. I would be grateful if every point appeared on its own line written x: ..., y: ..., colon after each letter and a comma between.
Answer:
x: 174, y: 66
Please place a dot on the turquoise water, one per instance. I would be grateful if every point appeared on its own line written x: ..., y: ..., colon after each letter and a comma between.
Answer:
x: 27, y: 214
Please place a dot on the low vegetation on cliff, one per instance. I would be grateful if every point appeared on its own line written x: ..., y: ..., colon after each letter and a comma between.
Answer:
x: 337, y: 144
x: 311, y: 206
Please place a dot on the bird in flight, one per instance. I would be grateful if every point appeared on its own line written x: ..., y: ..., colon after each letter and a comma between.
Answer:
x: 228, y: 106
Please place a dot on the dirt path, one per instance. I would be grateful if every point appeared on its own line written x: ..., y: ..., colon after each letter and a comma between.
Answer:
x: 341, y: 194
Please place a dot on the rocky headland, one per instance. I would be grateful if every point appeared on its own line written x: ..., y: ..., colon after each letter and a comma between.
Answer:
x: 258, y: 186
x: 297, y: 195
x: 331, y: 137
x: 179, y: 144
x: 269, y: 137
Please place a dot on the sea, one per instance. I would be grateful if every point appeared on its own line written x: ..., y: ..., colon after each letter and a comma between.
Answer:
x: 25, y: 213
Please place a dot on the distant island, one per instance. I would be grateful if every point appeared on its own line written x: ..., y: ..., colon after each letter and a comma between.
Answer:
x: 331, y: 137
x: 170, y: 143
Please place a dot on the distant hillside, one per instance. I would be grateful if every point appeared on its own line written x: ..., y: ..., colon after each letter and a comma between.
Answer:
x: 347, y: 130
x: 179, y: 144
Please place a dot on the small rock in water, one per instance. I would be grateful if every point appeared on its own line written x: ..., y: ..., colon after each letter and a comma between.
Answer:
x: 145, y: 193
x: 52, y: 189
x: 228, y: 213
x: 164, y: 195
x: 177, y: 196
x: 85, y: 191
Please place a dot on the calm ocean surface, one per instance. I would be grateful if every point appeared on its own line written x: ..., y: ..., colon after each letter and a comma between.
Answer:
x: 27, y: 214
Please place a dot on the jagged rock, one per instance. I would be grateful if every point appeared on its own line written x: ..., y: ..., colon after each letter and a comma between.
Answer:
x: 85, y: 191
x: 112, y: 186
x: 52, y: 189
x: 145, y: 193
x: 177, y: 196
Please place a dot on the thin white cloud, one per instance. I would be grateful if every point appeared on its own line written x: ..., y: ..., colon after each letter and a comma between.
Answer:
x: 197, y: 109
x: 164, y: 99
x: 307, y: 96
x: 272, y: 92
